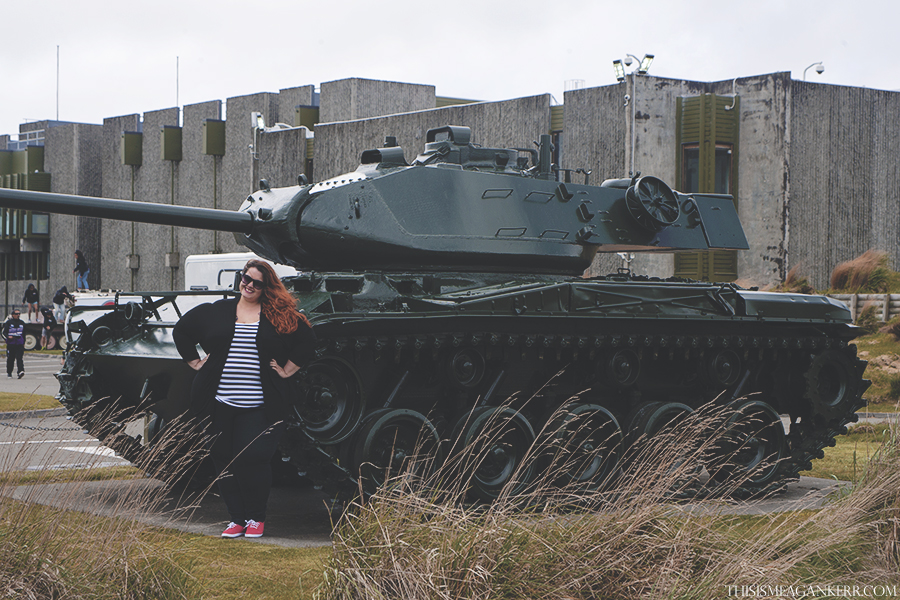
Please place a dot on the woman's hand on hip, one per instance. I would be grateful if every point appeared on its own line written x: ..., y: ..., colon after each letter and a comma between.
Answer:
x: 284, y: 372
x: 198, y: 363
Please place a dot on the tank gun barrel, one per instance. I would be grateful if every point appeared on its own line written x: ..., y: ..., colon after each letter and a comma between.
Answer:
x: 128, y: 210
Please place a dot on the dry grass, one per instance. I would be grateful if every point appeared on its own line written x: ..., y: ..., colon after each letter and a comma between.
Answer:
x: 630, y: 541
x: 892, y: 328
x: 868, y: 272
x: 49, y: 550
x: 795, y: 282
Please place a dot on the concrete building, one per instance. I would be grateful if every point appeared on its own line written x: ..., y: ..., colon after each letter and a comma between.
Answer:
x: 813, y: 168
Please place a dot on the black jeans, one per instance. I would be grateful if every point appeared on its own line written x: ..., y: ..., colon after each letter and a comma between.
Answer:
x: 14, y: 353
x: 242, y: 453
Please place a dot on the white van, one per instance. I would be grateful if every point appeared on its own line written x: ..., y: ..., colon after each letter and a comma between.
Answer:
x: 218, y: 271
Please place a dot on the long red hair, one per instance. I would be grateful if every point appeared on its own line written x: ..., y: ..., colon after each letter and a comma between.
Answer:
x: 276, y: 303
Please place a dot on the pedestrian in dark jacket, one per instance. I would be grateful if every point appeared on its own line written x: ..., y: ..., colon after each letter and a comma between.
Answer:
x: 83, y: 270
x: 47, y: 328
x: 253, y: 346
x: 59, y: 303
x: 31, y: 301
x: 14, y: 334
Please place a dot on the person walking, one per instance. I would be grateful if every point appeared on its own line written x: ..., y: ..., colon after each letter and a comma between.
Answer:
x: 31, y: 301
x: 14, y: 334
x: 83, y: 270
x: 59, y: 303
x: 253, y: 346
x: 47, y: 327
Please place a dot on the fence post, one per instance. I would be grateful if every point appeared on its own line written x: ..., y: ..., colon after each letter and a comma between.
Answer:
x: 853, y: 299
x: 886, y: 308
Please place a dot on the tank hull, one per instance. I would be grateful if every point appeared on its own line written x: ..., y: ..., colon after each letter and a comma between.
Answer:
x: 389, y: 349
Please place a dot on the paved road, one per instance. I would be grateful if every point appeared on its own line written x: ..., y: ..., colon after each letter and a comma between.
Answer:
x: 39, y: 379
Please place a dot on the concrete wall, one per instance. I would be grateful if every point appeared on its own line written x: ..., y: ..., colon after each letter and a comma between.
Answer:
x: 762, y: 174
x: 351, y: 99
x: 844, y: 177
x: 511, y: 123
x: 71, y: 155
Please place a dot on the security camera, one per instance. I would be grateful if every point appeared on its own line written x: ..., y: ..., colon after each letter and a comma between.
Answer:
x: 820, y: 69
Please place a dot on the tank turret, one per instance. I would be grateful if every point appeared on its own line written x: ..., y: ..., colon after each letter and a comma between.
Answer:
x: 457, y: 207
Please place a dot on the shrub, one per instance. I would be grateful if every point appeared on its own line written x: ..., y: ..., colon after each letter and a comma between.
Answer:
x: 865, y: 273
x: 868, y: 319
x: 794, y: 282
x: 892, y: 327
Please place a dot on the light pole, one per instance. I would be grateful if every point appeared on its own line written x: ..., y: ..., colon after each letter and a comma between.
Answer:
x: 641, y: 69
x: 820, y: 68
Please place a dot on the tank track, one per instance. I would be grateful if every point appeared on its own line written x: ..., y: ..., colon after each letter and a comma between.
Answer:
x: 792, y: 391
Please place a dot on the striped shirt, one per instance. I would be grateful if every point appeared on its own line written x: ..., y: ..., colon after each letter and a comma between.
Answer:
x: 240, y: 384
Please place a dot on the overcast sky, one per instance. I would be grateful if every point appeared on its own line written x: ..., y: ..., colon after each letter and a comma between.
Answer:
x: 119, y: 58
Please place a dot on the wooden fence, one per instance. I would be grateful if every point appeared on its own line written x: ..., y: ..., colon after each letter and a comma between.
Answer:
x: 886, y: 306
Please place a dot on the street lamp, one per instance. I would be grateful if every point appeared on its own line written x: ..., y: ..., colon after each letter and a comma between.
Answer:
x: 820, y: 68
x: 642, y: 68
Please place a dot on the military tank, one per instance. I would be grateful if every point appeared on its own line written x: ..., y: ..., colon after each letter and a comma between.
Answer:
x: 448, y: 292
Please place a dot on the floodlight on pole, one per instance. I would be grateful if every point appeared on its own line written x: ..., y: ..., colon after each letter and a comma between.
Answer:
x: 643, y: 65
x: 820, y: 68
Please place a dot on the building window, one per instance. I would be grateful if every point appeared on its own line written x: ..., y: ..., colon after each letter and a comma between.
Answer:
x: 690, y: 168
x: 722, y: 180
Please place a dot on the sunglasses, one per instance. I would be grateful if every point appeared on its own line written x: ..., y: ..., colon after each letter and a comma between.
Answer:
x: 256, y: 283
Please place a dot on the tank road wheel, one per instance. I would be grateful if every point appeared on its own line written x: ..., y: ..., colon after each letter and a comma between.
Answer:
x: 833, y: 385
x: 653, y: 418
x: 652, y: 203
x: 331, y: 403
x: 588, y: 445
x: 392, y: 442
x: 495, y: 441
x: 653, y: 436
x: 52, y: 341
x: 751, y: 447
x: 31, y: 341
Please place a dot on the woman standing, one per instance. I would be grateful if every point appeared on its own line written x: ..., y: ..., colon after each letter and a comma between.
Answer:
x: 83, y: 270
x: 253, y: 346
x: 31, y: 301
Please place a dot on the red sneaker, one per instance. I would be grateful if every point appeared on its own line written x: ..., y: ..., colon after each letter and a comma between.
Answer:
x: 233, y: 530
x: 254, y: 529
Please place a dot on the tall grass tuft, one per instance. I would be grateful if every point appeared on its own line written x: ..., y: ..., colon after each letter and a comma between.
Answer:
x: 867, y: 272
x: 86, y: 538
x: 795, y: 282
x: 628, y: 537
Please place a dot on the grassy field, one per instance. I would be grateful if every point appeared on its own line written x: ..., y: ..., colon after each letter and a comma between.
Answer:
x: 483, y: 543
x: 848, y: 458
x: 10, y: 402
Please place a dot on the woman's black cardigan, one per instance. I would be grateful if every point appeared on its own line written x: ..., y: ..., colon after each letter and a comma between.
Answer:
x: 212, y: 326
